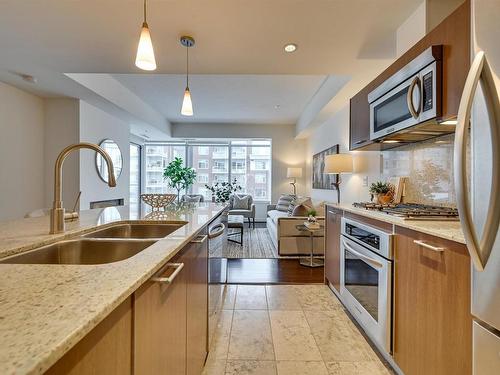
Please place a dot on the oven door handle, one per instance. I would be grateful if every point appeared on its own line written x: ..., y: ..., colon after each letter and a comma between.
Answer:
x: 370, y: 261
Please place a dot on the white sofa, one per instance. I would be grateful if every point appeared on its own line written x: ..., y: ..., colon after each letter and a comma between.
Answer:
x: 287, y: 239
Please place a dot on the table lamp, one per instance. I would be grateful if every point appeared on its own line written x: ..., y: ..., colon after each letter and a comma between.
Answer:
x: 338, y: 164
x: 294, y: 173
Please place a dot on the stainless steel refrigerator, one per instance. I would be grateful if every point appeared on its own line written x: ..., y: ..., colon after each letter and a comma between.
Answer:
x: 478, y: 192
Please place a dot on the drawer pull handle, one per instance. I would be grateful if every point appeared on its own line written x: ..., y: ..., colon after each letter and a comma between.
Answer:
x: 168, y: 280
x: 200, y: 239
x: 359, y: 142
x: 427, y: 246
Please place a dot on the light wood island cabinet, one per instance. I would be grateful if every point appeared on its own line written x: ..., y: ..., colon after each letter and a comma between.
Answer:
x: 161, y: 329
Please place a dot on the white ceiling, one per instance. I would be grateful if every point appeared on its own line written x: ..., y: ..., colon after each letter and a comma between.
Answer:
x: 233, y: 37
x: 274, y: 99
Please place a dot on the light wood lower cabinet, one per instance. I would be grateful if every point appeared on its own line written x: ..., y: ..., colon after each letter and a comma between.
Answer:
x: 161, y: 329
x: 332, y: 247
x: 432, y: 321
x: 197, y: 307
x: 107, y: 349
x: 160, y: 314
x: 170, y: 320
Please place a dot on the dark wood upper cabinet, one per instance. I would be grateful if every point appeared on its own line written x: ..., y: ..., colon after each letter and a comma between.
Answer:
x: 454, y: 34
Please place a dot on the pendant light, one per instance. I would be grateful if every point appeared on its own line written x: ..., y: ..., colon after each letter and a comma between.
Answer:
x: 145, y: 58
x: 187, y: 103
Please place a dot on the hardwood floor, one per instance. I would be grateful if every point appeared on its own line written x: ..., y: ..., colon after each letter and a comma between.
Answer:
x: 271, y: 271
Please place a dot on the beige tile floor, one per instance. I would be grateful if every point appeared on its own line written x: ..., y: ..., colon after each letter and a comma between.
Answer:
x: 288, y: 330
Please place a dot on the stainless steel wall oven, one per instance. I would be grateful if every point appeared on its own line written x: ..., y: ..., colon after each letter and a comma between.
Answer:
x: 366, y: 278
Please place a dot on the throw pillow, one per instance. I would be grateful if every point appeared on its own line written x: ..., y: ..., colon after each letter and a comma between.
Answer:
x: 191, y: 199
x: 284, y: 202
x: 300, y: 210
x: 240, y: 203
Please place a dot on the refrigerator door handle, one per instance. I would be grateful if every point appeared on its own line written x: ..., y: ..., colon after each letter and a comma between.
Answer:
x: 479, y: 250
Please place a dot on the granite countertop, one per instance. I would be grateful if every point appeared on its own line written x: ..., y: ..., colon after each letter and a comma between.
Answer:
x: 449, y: 230
x: 46, y: 309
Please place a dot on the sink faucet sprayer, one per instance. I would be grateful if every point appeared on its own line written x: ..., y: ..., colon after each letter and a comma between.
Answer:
x: 57, y: 211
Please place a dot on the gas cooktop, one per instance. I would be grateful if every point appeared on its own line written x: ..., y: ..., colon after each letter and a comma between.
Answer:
x: 413, y: 211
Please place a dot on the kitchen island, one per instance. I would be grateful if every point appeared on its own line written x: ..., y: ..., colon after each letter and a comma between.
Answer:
x: 46, y: 309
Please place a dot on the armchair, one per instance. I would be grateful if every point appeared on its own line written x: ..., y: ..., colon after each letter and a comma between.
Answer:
x: 248, y: 212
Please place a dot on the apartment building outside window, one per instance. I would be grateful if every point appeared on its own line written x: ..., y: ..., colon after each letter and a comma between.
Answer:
x: 203, y: 164
x: 247, y: 161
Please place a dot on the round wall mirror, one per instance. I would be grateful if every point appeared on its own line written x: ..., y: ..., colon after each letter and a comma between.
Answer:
x: 114, y: 152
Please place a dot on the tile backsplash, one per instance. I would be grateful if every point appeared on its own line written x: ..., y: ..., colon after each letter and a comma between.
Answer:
x: 429, y: 166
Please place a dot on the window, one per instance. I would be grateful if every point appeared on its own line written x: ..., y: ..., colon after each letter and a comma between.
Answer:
x: 219, y: 166
x: 238, y: 166
x: 220, y: 152
x: 241, y: 180
x: 259, y: 165
x: 220, y: 178
x: 247, y: 161
x: 203, y: 164
x: 260, y: 193
x: 203, y: 150
x: 157, y: 158
x: 135, y: 174
x: 202, y: 178
x: 260, y: 178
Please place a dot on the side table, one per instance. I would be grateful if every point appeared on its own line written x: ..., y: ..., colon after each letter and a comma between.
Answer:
x: 311, y: 260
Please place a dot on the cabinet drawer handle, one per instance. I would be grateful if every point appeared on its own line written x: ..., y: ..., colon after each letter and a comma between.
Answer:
x: 218, y: 232
x: 427, y: 246
x: 200, y: 239
x: 168, y: 280
x: 359, y: 142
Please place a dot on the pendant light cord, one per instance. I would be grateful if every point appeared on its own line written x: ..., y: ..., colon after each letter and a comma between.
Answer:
x: 145, y: 8
x: 187, y: 67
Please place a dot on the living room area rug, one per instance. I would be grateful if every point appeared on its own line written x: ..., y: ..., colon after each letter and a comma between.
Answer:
x: 257, y: 244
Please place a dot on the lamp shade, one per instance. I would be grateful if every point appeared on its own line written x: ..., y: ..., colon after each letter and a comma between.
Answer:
x: 145, y: 59
x: 294, y: 172
x: 187, y: 104
x: 338, y: 163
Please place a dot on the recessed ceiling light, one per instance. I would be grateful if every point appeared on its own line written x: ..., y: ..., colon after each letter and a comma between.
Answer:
x: 290, y: 47
x: 277, y: 106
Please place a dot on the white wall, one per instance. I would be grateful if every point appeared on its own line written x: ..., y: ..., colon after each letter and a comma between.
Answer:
x: 286, y: 150
x: 367, y: 163
x: 95, y: 126
x: 412, y: 30
x: 21, y: 152
x: 62, y: 121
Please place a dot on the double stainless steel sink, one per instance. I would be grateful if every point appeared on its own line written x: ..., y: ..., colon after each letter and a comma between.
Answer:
x: 102, y: 246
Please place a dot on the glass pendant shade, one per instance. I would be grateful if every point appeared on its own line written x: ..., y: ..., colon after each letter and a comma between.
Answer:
x: 187, y: 104
x: 145, y: 58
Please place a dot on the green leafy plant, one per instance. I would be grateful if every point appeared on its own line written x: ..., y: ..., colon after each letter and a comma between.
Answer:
x: 380, y: 187
x: 178, y: 176
x: 222, y: 191
x: 312, y: 212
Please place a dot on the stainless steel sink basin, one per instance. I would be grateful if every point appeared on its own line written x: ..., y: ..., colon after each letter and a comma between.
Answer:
x: 81, y: 251
x: 138, y: 230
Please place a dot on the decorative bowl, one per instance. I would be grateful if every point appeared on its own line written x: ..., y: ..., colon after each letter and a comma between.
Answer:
x: 158, y: 201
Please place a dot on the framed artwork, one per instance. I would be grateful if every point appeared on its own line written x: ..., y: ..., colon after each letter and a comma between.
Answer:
x: 322, y: 180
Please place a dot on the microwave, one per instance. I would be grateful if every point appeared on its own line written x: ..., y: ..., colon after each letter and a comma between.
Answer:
x: 410, y: 97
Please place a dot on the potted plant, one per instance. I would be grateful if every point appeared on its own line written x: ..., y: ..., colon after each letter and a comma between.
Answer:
x: 221, y: 191
x: 382, y: 192
x: 178, y: 176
